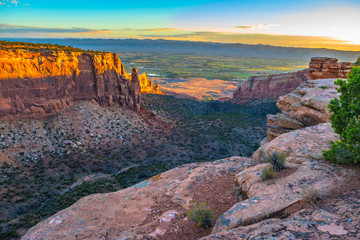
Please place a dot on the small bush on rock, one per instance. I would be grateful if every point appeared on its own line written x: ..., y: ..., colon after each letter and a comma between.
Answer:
x: 277, y: 160
x: 312, y: 195
x: 267, y: 173
x: 345, y: 120
x: 201, y: 215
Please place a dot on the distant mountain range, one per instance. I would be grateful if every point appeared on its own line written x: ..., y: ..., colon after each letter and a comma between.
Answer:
x: 223, y: 49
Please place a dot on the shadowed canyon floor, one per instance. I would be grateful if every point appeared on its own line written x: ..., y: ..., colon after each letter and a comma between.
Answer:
x: 86, y: 149
x: 310, y: 199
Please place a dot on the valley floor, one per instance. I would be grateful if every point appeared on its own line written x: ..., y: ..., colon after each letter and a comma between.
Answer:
x: 47, y: 165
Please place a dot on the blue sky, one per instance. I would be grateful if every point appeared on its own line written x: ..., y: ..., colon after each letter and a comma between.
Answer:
x: 332, y: 24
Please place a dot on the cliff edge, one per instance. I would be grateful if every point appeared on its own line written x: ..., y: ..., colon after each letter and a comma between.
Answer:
x: 38, y: 81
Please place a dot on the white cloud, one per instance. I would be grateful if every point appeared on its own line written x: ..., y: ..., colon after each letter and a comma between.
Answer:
x: 13, y: 3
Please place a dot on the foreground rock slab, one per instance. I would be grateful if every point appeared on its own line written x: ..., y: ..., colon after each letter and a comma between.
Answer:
x: 306, y: 174
x: 144, y: 210
x: 337, y: 220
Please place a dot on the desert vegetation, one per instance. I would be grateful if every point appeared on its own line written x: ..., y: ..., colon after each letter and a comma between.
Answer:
x: 47, y: 165
x: 345, y: 120
x: 201, y: 215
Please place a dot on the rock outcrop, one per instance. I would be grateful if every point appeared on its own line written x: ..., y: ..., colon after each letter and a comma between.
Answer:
x: 269, y: 87
x: 148, y: 210
x: 305, y: 172
x: 323, y: 67
x: 338, y: 220
x: 147, y: 86
x: 306, y: 106
x: 40, y: 84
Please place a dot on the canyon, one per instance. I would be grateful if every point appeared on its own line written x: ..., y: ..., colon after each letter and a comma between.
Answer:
x: 245, y: 205
x: 82, y: 160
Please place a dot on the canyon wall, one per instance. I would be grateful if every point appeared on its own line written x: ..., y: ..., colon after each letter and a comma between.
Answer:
x: 39, y: 84
x: 269, y: 87
x: 273, y: 86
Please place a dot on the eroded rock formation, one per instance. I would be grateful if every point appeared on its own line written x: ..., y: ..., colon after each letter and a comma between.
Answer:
x: 269, y: 87
x: 306, y: 106
x: 324, y: 67
x: 39, y: 84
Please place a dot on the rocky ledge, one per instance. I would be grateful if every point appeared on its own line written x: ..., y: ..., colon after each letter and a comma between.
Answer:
x: 306, y: 106
x: 156, y: 208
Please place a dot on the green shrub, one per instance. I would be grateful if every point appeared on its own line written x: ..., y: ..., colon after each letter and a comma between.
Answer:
x: 312, y: 195
x: 277, y: 160
x: 267, y: 173
x: 201, y: 215
x: 357, y: 62
x: 345, y: 120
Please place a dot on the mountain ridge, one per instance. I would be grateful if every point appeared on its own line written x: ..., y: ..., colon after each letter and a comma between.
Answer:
x: 214, y: 48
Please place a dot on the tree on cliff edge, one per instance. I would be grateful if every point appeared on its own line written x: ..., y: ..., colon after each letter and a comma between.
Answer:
x: 345, y: 120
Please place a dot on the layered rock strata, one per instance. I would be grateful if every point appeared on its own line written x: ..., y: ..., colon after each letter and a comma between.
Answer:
x: 40, y: 84
x: 324, y: 67
x: 269, y: 87
x: 306, y: 106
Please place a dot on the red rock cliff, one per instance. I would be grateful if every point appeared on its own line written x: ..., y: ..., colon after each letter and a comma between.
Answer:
x: 38, y: 84
x: 269, y: 87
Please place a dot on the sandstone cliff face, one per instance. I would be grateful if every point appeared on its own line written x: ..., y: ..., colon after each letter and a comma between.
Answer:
x: 323, y: 67
x: 39, y: 84
x: 269, y: 87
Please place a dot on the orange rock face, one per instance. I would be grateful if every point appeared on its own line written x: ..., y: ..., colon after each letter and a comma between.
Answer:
x: 39, y: 84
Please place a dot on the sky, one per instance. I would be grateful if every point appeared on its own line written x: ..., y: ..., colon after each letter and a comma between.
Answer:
x: 290, y: 23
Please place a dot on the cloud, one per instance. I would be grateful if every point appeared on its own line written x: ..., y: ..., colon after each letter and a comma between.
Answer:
x: 13, y: 3
x: 9, y: 28
x: 157, y: 30
x: 258, y: 26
